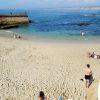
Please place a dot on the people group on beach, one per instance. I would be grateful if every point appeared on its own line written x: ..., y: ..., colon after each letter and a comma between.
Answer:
x: 43, y: 97
x: 87, y: 79
x: 95, y: 55
x: 16, y: 36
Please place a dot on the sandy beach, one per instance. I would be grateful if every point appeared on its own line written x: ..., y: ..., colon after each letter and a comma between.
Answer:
x: 27, y: 67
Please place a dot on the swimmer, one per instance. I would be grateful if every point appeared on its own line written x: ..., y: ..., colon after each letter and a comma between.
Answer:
x: 82, y: 33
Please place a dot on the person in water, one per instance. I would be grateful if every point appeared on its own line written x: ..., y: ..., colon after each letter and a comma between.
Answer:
x: 88, y: 75
x: 82, y: 33
x: 42, y: 96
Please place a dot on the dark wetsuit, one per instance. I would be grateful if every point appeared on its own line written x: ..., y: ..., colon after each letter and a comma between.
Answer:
x: 87, y: 77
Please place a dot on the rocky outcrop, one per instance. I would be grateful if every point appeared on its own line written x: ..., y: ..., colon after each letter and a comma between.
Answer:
x: 83, y: 24
x: 79, y: 24
x: 31, y: 21
x: 10, y: 21
x: 9, y: 26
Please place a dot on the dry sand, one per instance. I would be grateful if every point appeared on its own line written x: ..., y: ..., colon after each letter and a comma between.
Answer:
x: 27, y: 67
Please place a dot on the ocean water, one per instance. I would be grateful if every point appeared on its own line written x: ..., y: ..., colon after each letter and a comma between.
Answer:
x: 59, y: 24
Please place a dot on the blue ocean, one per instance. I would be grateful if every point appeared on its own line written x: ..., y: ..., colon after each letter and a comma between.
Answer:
x: 60, y: 24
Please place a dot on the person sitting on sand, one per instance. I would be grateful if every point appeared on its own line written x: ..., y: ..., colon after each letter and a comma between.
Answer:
x: 15, y: 36
x: 98, y: 55
x: 91, y: 55
x: 94, y: 55
x: 42, y: 96
x: 88, y: 75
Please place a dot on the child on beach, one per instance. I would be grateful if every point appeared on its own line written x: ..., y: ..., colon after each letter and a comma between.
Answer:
x: 42, y: 96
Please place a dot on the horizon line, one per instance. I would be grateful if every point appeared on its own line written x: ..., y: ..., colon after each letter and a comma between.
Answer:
x: 70, y: 7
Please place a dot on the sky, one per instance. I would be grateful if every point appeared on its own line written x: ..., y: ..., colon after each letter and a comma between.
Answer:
x: 31, y: 4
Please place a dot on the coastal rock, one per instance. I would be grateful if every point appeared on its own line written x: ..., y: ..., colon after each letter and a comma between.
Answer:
x: 11, y: 21
x: 9, y: 26
x: 79, y: 24
x: 31, y: 21
x: 83, y: 24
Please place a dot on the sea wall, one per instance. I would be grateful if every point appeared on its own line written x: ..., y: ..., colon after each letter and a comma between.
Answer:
x: 13, y: 20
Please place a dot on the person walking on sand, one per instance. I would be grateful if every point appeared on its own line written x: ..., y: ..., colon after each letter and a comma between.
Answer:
x: 88, y: 75
x: 42, y: 96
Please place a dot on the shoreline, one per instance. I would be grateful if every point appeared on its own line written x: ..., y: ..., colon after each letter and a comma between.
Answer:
x: 80, y: 39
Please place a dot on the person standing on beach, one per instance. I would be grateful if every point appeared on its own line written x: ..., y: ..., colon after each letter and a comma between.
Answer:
x: 88, y: 75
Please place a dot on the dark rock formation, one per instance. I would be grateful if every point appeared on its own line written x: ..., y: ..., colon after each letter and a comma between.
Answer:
x: 83, y: 24
x: 31, y: 21
x: 8, y: 26
x: 79, y: 24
